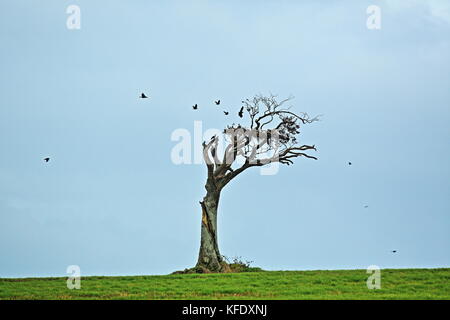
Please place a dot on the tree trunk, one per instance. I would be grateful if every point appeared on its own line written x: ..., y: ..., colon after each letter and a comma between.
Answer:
x: 209, y: 256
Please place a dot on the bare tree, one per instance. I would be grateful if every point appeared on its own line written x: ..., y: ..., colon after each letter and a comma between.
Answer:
x: 270, y: 137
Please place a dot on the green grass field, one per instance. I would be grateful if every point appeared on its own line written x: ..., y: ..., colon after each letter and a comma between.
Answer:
x: 339, y: 284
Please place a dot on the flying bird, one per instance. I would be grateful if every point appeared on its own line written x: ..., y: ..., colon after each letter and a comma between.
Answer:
x: 217, y: 102
x: 366, y: 206
x: 241, y: 112
x: 226, y: 112
x: 394, y: 251
x: 46, y: 159
x: 143, y: 96
x: 195, y: 107
x: 349, y: 163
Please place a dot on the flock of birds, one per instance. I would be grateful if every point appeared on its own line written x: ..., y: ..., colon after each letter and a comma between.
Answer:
x: 195, y: 106
x: 240, y: 114
x: 217, y: 102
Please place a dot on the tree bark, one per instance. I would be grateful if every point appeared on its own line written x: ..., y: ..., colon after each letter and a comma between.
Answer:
x: 209, y: 255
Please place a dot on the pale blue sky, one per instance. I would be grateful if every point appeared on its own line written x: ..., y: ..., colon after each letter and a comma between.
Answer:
x: 111, y: 201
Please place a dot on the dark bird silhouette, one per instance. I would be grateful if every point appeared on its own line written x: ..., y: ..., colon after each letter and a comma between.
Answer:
x: 366, y: 206
x: 394, y: 251
x: 241, y: 112
x: 226, y: 112
x: 195, y: 107
x: 349, y: 163
x: 217, y: 102
x: 46, y: 159
x: 143, y: 96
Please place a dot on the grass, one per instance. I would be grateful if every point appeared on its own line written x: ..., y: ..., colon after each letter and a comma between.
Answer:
x: 338, y: 284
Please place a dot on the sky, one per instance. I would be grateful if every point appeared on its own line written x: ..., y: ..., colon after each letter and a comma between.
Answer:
x: 112, y: 201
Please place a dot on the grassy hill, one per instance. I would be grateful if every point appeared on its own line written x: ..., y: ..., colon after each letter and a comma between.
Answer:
x: 339, y: 284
